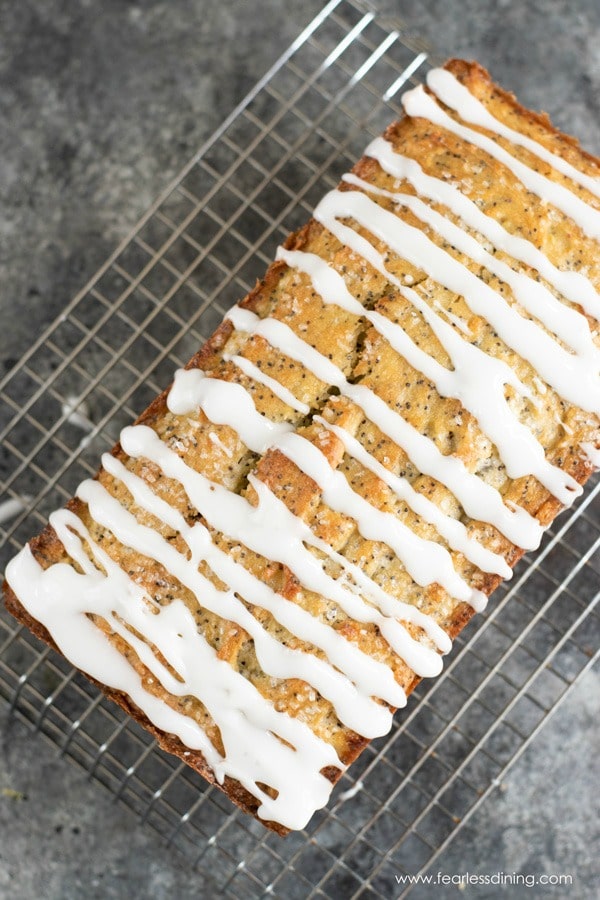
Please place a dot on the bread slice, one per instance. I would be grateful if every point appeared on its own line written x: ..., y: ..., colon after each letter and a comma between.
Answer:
x: 386, y: 422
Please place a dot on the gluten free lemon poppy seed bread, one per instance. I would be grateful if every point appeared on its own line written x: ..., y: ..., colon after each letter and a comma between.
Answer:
x: 290, y: 536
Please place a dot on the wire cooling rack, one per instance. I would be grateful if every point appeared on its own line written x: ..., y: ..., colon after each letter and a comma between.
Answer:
x: 197, y: 251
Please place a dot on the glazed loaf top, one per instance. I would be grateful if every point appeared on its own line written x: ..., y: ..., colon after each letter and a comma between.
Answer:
x: 291, y: 535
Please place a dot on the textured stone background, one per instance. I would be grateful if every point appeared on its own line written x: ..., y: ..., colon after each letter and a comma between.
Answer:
x: 101, y: 103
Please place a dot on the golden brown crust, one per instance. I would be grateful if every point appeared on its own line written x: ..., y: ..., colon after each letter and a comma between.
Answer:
x: 364, y: 358
x: 479, y: 82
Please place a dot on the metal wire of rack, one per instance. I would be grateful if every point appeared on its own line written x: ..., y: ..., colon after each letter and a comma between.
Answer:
x: 156, y: 299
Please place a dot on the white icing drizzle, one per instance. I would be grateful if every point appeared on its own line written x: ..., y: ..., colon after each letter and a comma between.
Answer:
x: 453, y: 318
x: 572, y: 285
x: 248, y: 368
x: 216, y: 440
x: 384, y: 602
x: 479, y: 500
x: 332, y: 289
x: 272, y: 531
x: 418, y: 103
x: 455, y: 95
x: 192, y: 389
x: 352, y: 706
x: 570, y: 376
x: 252, y: 731
x: 477, y: 380
x: 366, y: 672
x: 591, y: 453
x: 566, y: 323
x: 427, y: 562
x: 452, y: 530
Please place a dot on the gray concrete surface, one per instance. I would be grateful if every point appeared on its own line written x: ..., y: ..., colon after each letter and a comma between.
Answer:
x: 101, y: 104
